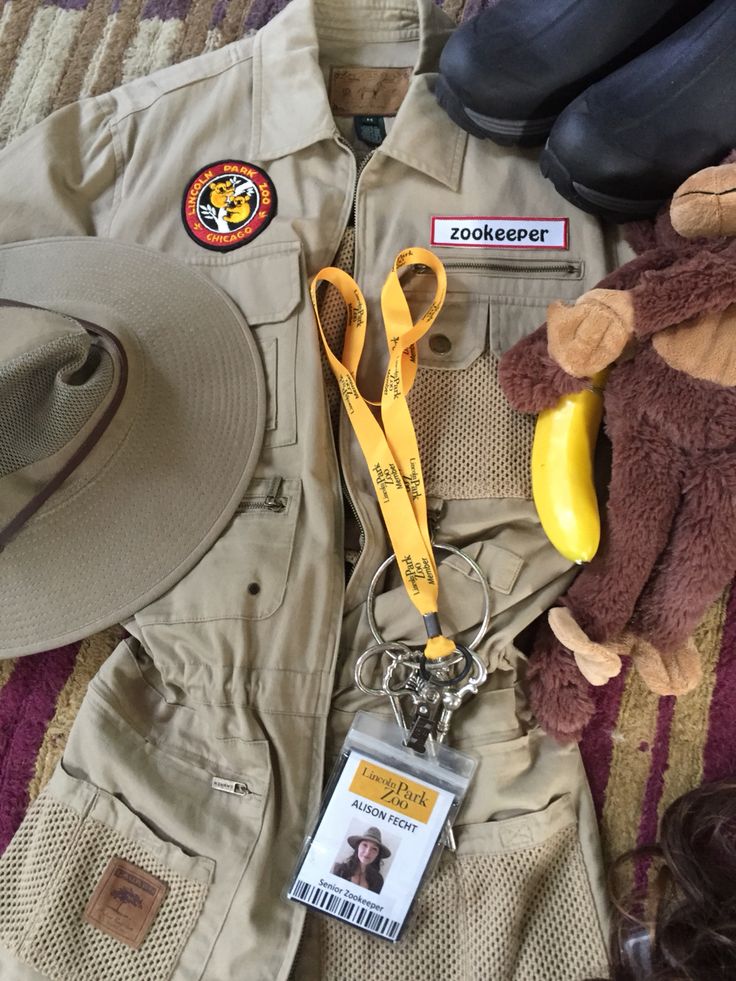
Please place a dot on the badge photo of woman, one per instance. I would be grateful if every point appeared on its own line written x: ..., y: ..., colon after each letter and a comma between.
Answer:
x: 364, y: 865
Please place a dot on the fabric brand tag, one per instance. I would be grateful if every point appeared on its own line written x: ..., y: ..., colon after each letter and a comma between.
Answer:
x: 500, y: 232
x: 367, y: 857
x: 125, y: 902
x: 368, y: 91
x: 370, y: 130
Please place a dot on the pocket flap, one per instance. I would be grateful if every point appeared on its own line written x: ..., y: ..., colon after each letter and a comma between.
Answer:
x: 524, y: 830
x: 458, y: 336
x: 461, y: 598
x: 92, y: 802
x: 269, y: 281
x: 514, y: 317
x: 502, y: 566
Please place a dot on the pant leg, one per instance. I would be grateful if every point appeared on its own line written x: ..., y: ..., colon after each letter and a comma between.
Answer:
x: 528, y: 852
x: 200, y: 695
x: 227, y: 678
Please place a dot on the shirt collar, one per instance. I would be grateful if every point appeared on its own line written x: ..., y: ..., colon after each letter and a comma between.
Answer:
x: 291, y: 106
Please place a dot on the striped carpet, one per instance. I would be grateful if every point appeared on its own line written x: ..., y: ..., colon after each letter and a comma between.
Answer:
x: 640, y: 752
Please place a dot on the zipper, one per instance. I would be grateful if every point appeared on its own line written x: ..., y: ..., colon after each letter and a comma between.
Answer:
x: 562, y: 268
x: 352, y: 223
x: 359, y: 168
x: 271, y: 500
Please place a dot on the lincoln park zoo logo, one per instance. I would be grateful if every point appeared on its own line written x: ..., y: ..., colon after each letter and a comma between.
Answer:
x: 227, y: 204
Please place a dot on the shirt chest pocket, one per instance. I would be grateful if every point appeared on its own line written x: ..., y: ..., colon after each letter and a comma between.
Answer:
x: 516, y: 292
x: 265, y: 282
x: 472, y: 443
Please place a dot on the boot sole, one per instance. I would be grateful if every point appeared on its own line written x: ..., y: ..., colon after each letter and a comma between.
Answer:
x: 594, y: 202
x: 507, y: 132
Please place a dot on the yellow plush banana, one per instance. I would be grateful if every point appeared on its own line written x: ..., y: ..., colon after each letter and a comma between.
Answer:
x: 562, y: 472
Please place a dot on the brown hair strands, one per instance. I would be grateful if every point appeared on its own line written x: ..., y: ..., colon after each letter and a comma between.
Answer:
x: 684, y: 927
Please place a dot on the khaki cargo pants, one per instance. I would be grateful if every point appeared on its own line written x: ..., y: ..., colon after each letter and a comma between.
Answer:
x: 521, y: 899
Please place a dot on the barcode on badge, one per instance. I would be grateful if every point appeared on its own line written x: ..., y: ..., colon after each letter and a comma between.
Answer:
x: 354, y: 913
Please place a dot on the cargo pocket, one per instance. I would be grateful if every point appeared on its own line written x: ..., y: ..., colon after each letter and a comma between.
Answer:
x: 74, y: 839
x: 266, y: 283
x: 249, y: 562
x: 129, y: 884
x: 461, y: 596
x: 472, y: 443
x: 530, y: 871
x: 513, y: 904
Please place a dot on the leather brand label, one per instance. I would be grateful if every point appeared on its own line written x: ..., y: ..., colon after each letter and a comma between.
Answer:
x: 499, y: 232
x: 368, y: 91
x: 125, y: 902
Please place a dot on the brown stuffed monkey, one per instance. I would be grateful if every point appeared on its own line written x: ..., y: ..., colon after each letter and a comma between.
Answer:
x: 666, y: 321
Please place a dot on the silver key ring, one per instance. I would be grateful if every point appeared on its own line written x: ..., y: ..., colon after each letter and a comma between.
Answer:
x: 482, y: 581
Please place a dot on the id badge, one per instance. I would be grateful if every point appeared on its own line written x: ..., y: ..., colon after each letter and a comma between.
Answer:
x: 379, y: 832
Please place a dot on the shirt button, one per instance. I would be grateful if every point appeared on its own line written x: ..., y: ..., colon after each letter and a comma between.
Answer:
x: 440, y: 344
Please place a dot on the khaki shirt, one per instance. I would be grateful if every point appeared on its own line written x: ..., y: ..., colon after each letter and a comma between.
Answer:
x: 236, y: 671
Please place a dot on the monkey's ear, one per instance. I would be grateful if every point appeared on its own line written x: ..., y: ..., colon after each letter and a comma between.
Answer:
x: 705, y: 205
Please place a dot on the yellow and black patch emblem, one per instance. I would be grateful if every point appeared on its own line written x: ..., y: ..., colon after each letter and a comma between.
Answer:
x: 227, y: 204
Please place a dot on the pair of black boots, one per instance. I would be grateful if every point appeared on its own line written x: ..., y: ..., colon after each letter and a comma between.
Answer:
x: 632, y: 96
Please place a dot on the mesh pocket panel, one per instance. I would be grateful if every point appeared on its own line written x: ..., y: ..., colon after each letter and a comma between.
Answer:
x: 471, y: 442
x: 432, y: 949
x: 29, y: 864
x: 524, y: 915
x: 543, y: 922
x: 50, y: 873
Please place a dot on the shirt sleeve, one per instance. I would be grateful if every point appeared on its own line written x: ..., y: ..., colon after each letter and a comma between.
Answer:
x: 58, y: 178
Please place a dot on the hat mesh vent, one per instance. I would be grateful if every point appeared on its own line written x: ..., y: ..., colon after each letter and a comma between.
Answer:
x: 46, y: 396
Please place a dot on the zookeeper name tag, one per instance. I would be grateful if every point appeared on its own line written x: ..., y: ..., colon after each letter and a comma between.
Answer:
x: 379, y: 829
x: 500, y: 232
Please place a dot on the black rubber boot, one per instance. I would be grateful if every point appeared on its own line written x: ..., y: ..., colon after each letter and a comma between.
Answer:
x: 509, y: 71
x: 624, y: 146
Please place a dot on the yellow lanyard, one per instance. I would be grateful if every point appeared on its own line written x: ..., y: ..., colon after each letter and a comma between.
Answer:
x: 390, y: 447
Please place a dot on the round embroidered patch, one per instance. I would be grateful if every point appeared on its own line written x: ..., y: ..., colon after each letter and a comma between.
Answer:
x: 227, y: 204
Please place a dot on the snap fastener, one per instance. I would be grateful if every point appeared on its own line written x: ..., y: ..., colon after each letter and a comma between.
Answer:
x: 254, y: 588
x: 440, y: 343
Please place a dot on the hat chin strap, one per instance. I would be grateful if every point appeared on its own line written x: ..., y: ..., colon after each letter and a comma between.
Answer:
x: 117, y: 353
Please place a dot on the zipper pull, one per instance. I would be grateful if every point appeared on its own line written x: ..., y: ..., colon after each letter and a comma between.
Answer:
x: 230, y: 786
x: 273, y: 501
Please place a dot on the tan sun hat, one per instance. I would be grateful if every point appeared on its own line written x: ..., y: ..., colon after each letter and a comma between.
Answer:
x: 132, y: 410
x: 373, y: 835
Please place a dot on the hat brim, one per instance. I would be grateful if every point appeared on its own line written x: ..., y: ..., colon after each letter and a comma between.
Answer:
x: 355, y: 840
x: 170, y: 470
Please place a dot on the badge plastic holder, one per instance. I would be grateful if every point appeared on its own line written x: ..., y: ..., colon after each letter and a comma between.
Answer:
x: 378, y: 835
